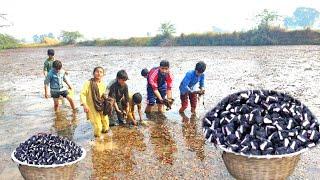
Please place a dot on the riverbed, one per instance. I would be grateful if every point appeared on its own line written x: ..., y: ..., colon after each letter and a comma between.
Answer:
x: 169, y: 146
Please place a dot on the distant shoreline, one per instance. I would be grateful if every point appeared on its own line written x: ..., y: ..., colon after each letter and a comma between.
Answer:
x: 256, y: 37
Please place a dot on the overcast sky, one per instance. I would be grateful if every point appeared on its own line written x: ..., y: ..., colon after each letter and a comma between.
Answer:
x: 127, y: 18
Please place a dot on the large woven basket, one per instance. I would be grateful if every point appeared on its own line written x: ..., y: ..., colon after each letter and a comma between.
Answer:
x: 45, y: 172
x: 260, y: 167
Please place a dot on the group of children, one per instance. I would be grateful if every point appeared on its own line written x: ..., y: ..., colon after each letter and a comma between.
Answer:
x: 113, y: 104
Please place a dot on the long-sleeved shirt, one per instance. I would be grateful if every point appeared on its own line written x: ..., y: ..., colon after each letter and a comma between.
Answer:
x: 56, y: 79
x: 190, y: 80
x: 153, y: 77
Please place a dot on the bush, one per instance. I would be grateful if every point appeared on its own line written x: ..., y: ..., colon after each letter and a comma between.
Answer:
x: 255, y: 37
x: 7, y: 42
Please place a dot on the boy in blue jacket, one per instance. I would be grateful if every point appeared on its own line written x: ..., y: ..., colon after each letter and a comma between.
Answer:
x: 188, y: 90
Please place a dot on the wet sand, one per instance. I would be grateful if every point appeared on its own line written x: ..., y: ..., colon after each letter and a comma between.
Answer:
x: 170, y: 147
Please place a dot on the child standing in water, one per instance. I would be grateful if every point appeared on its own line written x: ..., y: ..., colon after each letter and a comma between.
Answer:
x: 48, y: 62
x: 159, y: 86
x: 92, y: 102
x: 55, y: 78
x: 187, y: 90
x: 47, y: 66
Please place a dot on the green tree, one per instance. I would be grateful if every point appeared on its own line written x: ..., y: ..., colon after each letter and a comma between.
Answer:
x: 70, y: 37
x: 266, y: 18
x: 167, y: 29
x: 7, y: 41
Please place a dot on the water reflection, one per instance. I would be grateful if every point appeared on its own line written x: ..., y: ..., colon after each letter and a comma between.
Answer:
x: 113, y: 155
x: 193, y: 139
x: 164, y: 145
x: 63, y: 126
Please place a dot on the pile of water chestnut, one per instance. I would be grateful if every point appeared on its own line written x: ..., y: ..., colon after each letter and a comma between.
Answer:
x: 47, y: 149
x: 261, y: 122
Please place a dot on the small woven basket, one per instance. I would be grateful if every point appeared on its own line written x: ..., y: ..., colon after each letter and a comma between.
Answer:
x: 45, y: 172
x: 260, y: 167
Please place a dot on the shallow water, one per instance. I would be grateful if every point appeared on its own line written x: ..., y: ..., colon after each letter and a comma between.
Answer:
x: 169, y: 147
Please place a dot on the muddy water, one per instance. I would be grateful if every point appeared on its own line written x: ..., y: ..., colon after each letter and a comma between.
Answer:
x: 170, y: 146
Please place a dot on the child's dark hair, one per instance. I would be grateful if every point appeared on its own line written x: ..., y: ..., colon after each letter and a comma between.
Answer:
x: 122, y: 74
x: 201, y: 66
x: 50, y: 52
x: 164, y: 63
x: 98, y: 67
x: 137, y: 98
x: 57, y: 64
x: 144, y: 72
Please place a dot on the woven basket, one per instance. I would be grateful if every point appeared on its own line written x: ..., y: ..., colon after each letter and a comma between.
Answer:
x: 272, y: 167
x: 45, y: 172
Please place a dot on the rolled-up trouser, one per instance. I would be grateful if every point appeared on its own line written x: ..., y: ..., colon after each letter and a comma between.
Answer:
x: 193, y: 97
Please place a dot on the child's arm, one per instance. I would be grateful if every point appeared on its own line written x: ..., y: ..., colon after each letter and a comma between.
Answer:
x: 127, y: 98
x: 185, y: 82
x: 158, y: 95
x: 116, y: 107
x: 169, y: 81
x: 153, y: 81
x: 46, y: 91
x: 112, y: 94
x: 127, y: 109
x: 202, y: 83
x: 66, y: 80
x: 83, y: 96
x: 133, y: 115
x: 45, y: 69
x: 140, y: 112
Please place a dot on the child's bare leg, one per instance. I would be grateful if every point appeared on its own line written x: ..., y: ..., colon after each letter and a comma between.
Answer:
x: 134, y: 122
x: 148, y: 109
x: 193, y: 110
x: 160, y: 108
x: 55, y: 104
x: 130, y: 118
x: 182, y: 109
x: 71, y: 102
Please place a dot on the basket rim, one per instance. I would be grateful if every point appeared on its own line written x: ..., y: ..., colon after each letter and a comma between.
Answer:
x: 84, y: 153
x: 264, y: 156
